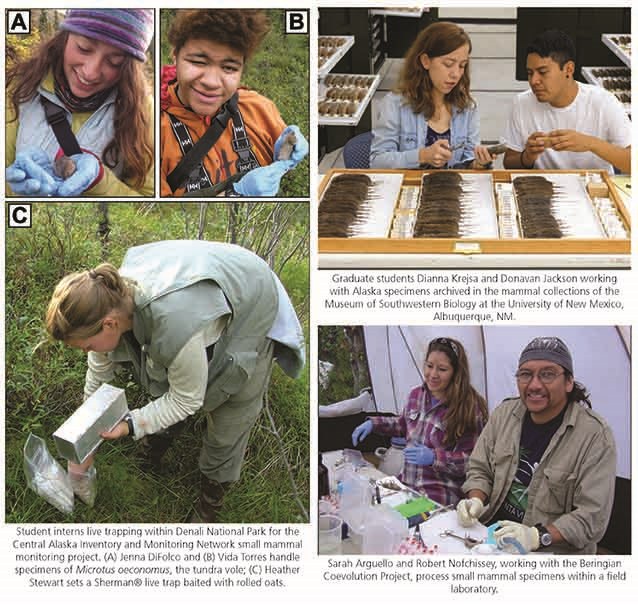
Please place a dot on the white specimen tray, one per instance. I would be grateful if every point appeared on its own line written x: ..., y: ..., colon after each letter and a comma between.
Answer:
x: 622, y: 52
x: 588, y: 74
x: 574, y: 209
x: 619, y: 72
x: 479, y: 207
x: 386, y: 189
x: 337, y: 55
x: 432, y: 528
x: 354, y: 119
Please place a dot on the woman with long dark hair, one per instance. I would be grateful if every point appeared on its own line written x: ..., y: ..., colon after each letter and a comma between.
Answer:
x: 89, y: 75
x: 441, y: 422
x: 431, y: 120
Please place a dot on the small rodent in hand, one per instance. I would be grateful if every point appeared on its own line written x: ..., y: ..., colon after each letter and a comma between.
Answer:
x: 285, y: 151
x: 64, y: 166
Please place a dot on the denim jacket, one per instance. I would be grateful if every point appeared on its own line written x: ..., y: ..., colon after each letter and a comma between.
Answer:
x: 399, y: 133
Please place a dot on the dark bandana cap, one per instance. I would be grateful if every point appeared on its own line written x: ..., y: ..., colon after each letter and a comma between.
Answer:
x: 549, y: 348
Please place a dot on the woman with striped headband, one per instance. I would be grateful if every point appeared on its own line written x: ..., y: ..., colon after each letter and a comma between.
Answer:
x: 79, y: 109
x: 441, y: 422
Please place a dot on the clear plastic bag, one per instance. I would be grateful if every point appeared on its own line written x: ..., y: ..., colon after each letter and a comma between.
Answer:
x: 84, y: 483
x: 45, y: 476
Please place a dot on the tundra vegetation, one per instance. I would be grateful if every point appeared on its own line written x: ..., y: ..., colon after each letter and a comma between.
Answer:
x: 44, y: 379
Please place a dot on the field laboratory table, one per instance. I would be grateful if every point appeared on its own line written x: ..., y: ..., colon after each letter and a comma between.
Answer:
x: 425, y: 538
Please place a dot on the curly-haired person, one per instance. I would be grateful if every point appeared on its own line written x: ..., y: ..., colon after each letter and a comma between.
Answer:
x: 216, y: 133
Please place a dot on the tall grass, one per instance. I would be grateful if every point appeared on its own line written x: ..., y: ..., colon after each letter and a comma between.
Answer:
x: 44, y: 380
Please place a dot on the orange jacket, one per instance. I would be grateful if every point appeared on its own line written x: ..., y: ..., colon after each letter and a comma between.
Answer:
x: 263, y: 126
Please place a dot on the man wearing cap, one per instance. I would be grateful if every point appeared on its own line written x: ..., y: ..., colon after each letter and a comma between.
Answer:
x: 544, y: 466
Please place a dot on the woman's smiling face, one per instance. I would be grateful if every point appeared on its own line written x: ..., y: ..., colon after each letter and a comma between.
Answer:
x: 208, y: 74
x: 439, y: 372
x: 91, y: 66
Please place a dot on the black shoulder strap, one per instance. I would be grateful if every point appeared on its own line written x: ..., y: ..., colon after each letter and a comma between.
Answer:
x: 56, y: 117
x: 198, y: 177
x: 185, y: 166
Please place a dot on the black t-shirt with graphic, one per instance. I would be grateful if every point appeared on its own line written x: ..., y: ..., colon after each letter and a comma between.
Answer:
x: 534, y: 441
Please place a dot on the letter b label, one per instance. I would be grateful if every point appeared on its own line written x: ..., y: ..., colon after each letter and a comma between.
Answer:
x: 297, y: 22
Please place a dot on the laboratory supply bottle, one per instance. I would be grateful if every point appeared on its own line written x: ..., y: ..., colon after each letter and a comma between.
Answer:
x: 391, y: 457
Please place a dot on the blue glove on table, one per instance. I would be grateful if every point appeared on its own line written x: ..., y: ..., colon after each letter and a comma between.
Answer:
x: 419, y: 454
x: 32, y: 174
x: 300, y: 149
x: 263, y: 181
x: 87, y: 169
x: 361, y: 432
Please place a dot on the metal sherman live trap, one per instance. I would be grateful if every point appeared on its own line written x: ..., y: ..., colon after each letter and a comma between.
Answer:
x: 79, y: 436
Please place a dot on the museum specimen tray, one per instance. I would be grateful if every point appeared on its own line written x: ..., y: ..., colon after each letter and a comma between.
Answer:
x: 493, y: 212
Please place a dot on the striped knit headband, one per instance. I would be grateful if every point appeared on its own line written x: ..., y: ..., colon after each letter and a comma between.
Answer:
x: 130, y: 30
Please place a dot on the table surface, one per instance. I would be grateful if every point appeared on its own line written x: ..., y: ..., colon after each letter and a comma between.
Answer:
x: 430, y: 530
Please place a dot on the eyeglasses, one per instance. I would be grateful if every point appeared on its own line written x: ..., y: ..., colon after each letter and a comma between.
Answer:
x: 545, y: 376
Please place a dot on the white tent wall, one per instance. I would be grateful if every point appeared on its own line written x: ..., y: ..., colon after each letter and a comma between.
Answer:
x: 600, y: 354
x: 396, y: 355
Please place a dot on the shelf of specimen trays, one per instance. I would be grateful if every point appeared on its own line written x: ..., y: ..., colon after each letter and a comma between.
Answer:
x: 616, y: 80
x: 331, y: 50
x: 396, y: 11
x: 343, y: 98
x: 620, y: 45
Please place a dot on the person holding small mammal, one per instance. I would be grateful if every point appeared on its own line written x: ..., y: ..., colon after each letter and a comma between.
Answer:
x: 431, y: 120
x: 544, y: 467
x: 83, y: 94
x: 214, y: 131
x: 440, y: 422
x: 199, y: 324
x: 561, y: 123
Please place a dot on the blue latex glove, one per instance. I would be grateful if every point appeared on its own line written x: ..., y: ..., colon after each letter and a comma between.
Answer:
x: 87, y: 169
x: 361, y: 432
x: 32, y: 174
x: 263, y: 181
x: 419, y: 454
x: 300, y: 149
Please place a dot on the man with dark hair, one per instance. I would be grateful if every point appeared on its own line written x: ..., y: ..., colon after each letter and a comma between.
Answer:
x: 561, y: 123
x: 545, y: 464
x: 215, y: 133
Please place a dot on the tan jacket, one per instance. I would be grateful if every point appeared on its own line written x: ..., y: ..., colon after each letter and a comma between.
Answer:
x: 573, y: 485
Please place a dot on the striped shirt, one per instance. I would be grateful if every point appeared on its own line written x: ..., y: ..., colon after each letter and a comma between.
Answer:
x: 422, y: 422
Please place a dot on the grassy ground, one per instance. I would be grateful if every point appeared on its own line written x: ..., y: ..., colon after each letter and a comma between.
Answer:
x: 280, y: 71
x: 44, y: 380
